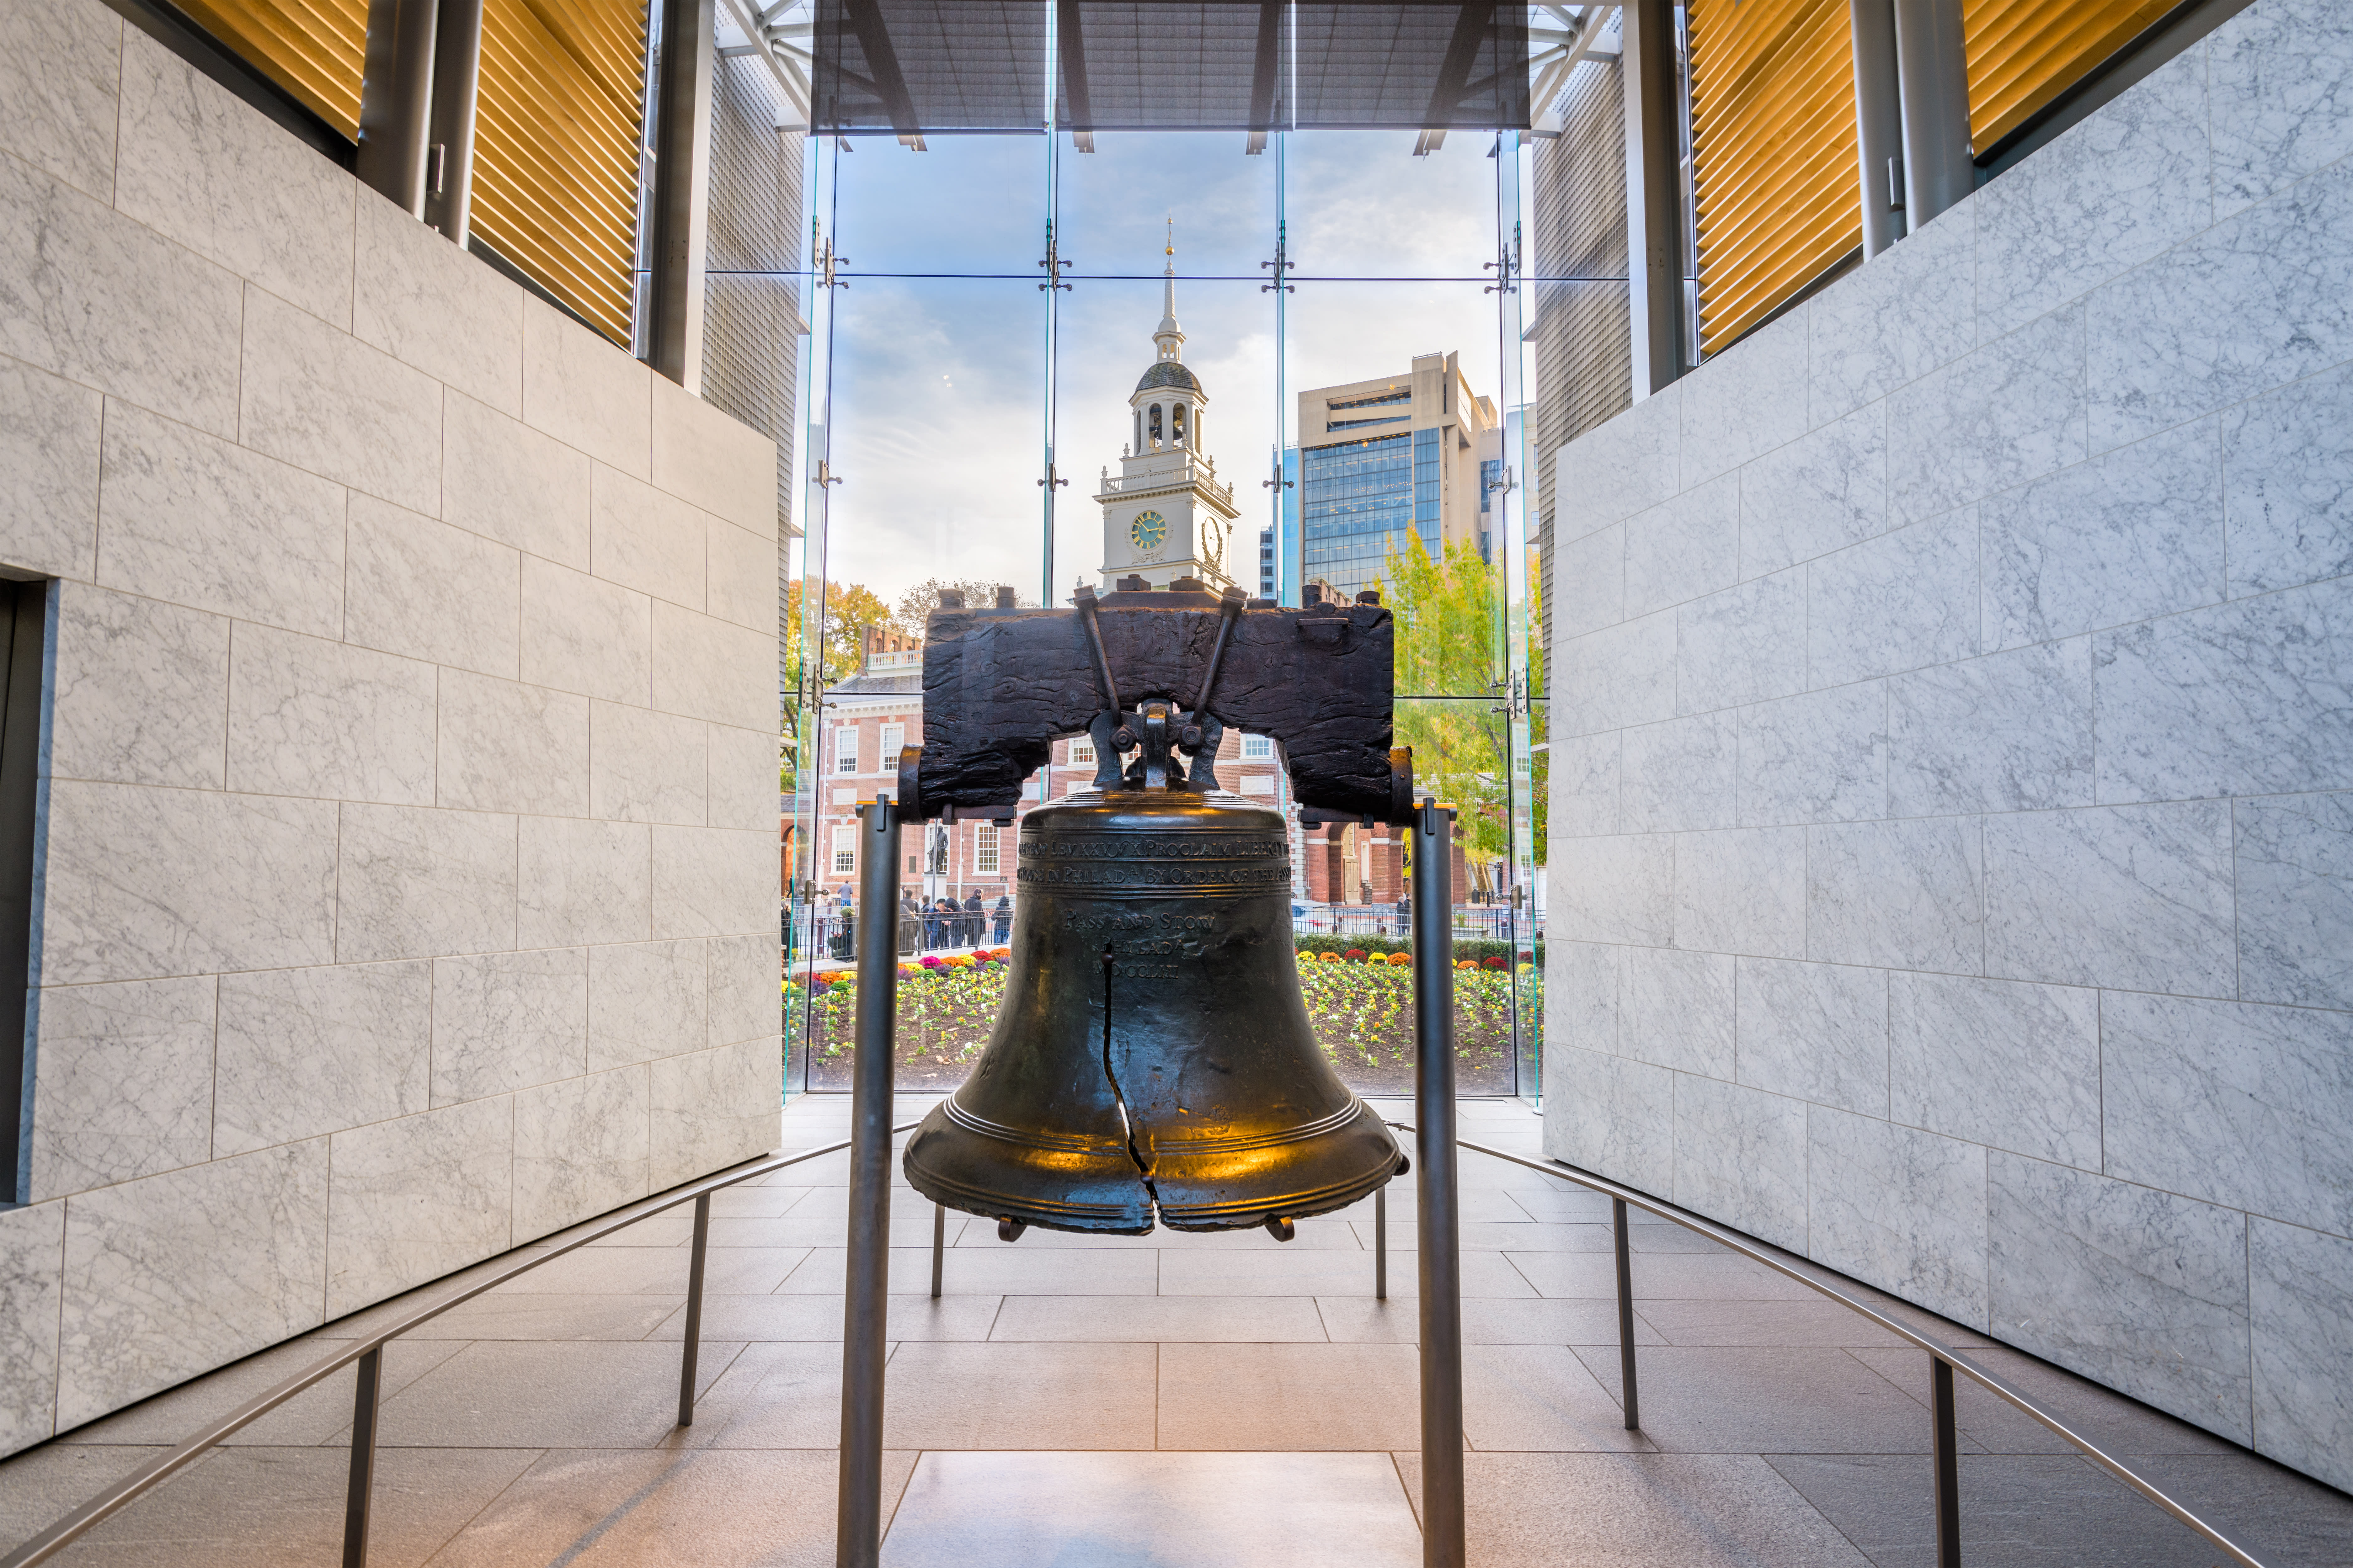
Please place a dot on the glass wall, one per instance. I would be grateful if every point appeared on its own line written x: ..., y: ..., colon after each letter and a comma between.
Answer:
x: 1346, y: 314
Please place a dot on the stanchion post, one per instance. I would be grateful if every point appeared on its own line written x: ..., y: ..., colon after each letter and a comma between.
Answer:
x: 1948, y: 1465
x: 693, y: 1351
x: 1625, y: 1317
x: 939, y: 1245
x: 858, y: 1531
x: 366, y: 1400
x: 1438, y: 1223
x: 1381, y: 1242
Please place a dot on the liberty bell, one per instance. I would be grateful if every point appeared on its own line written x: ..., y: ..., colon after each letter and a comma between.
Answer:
x: 1152, y: 1059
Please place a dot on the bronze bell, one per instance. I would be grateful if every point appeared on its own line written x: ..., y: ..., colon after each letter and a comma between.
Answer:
x: 1153, y: 1054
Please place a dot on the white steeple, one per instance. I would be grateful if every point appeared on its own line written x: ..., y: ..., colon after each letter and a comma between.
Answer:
x: 1169, y: 336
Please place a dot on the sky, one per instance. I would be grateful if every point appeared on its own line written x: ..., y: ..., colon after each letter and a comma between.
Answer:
x: 937, y: 383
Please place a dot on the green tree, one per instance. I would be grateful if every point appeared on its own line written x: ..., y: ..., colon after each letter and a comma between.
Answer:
x: 917, y: 602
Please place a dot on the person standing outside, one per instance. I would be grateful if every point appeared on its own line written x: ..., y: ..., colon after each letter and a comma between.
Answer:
x: 972, y: 918
x: 1004, y: 918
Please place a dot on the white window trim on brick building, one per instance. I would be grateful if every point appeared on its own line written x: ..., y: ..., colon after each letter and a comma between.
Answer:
x: 983, y: 850
x: 895, y: 736
x: 845, y: 849
x: 845, y: 748
x: 1257, y: 748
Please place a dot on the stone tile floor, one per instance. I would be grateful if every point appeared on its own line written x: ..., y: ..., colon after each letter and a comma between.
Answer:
x: 1158, y: 1402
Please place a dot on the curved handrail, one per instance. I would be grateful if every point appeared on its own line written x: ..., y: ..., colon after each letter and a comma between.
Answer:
x: 1985, y: 1377
x: 127, y: 1490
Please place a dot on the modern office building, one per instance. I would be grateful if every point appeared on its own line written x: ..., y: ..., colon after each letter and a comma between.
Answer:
x: 1387, y: 462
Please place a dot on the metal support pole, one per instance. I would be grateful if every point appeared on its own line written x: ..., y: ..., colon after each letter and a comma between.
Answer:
x: 939, y: 1245
x: 680, y: 193
x: 693, y: 1311
x: 866, y: 1299
x: 365, y: 1401
x: 1653, y: 192
x: 1437, y: 1224
x: 1381, y: 1242
x: 1878, y: 125
x: 1932, y: 60
x: 1626, y: 1318
x: 1948, y: 1465
x: 449, y: 150
x: 396, y: 101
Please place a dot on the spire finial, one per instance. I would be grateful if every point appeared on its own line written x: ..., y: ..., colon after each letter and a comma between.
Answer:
x: 1168, y: 335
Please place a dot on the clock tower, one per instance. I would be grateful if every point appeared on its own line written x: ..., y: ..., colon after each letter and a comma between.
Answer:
x: 1165, y: 516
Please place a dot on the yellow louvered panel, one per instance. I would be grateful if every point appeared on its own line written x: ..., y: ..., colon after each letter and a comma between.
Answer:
x: 2024, y: 53
x: 315, y: 49
x: 555, y: 148
x: 1773, y: 136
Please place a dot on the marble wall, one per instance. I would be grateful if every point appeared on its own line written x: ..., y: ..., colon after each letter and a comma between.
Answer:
x: 407, y: 879
x: 1952, y: 870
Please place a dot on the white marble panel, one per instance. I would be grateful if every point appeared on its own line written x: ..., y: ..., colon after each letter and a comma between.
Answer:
x: 584, y: 881
x: 504, y: 1021
x: 1619, y: 467
x: 60, y: 68
x: 709, y: 669
x: 430, y: 591
x: 319, y: 398
x: 2295, y: 877
x: 307, y: 1051
x: 196, y: 522
x: 141, y: 690
x: 2133, y: 533
x: 509, y: 747
x: 309, y: 716
x: 429, y: 304
x: 646, y: 766
x: 583, y: 635
x: 1821, y: 493
x: 584, y: 391
x: 2011, y: 410
x: 1900, y: 1209
x: 1813, y: 1031
x: 1818, y: 757
x: 1895, y: 602
x: 645, y: 539
x: 702, y: 455
x: 418, y: 1198
x: 1584, y: 783
x: 2300, y: 1290
x: 1905, y: 895
x: 1745, y: 401
x: 2282, y: 78
x: 1902, y: 314
x: 2142, y: 1291
x: 507, y: 481
x: 2254, y: 696
x: 742, y: 975
x: 646, y: 1000
x: 93, y: 296
x: 1621, y: 675
x: 1745, y: 644
x: 1581, y: 996
x: 418, y: 882
x: 1588, y: 582
x: 2113, y: 190
x: 2012, y: 731
x: 1675, y: 1010
x: 2138, y: 898
x: 1678, y: 774
x: 714, y: 882
x: 743, y: 777
x: 1611, y: 1116
x: 2231, y: 1103
x: 177, y: 1274
x: 32, y: 1266
x: 2288, y: 485
x: 580, y: 1149
x: 123, y: 1082
x: 1685, y: 547
x: 2250, y: 304
x: 1995, y: 1062
x: 48, y: 470
x: 1740, y: 1157
x: 1742, y: 891
x: 740, y: 569
x: 197, y: 164
x: 140, y: 882
x: 712, y: 1109
x: 1614, y: 890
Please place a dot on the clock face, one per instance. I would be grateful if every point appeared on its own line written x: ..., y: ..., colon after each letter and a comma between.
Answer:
x: 1150, y: 529
x: 1213, y: 542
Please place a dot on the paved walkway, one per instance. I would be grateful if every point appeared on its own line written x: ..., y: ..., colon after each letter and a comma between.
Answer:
x: 1162, y: 1401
